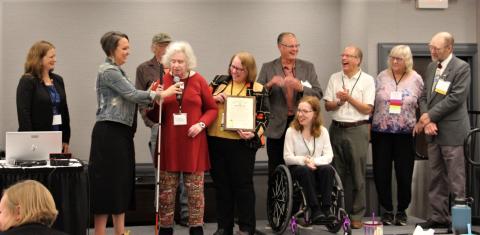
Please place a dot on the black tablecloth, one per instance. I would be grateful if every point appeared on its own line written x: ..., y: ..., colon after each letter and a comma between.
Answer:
x: 68, y: 186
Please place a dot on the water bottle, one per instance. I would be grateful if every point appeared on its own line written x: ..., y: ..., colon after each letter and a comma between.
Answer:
x: 461, y: 216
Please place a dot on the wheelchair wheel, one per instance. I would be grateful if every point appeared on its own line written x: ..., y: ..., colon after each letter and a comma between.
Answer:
x: 342, y: 221
x: 279, y: 200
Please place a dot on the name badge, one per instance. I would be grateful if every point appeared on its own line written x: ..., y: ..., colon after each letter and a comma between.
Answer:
x: 57, y: 120
x: 179, y: 119
x: 442, y: 86
x: 395, y: 106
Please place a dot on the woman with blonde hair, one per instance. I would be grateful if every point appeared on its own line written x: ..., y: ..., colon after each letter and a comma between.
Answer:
x: 396, y: 99
x: 27, y: 208
x: 308, y: 154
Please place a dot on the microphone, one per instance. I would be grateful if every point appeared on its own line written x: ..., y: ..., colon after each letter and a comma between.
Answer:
x: 176, y: 79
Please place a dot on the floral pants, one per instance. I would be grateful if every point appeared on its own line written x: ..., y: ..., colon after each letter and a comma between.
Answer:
x: 194, y: 183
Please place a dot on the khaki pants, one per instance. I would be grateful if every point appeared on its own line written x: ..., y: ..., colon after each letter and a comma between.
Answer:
x: 350, y: 149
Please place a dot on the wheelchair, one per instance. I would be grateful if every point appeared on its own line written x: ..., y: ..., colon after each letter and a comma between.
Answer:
x: 287, y: 206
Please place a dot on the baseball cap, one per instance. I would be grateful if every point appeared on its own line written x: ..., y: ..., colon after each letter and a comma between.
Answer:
x: 161, y: 38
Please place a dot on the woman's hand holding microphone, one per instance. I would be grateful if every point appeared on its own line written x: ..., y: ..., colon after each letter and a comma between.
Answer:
x: 175, y: 89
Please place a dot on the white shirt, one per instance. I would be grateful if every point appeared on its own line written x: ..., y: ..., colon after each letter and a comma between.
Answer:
x: 444, y: 64
x: 361, y: 87
x: 295, y: 149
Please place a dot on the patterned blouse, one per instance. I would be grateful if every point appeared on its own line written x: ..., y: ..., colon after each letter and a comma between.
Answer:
x: 410, y: 87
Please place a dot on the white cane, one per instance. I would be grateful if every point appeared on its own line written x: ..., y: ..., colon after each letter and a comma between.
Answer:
x: 157, y: 176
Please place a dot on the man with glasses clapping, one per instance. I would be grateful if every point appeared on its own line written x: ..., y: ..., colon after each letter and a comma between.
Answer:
x: 350, y: 96
x: 287, y: 80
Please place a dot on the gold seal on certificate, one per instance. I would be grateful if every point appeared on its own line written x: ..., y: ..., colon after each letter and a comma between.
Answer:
x: 240, y: 113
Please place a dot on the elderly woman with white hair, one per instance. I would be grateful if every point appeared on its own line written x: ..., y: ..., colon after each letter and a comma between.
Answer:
x: 397, y: 91
x: 184, y: 146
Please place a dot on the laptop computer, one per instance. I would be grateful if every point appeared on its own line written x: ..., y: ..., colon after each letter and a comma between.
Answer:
x: 31, y: 148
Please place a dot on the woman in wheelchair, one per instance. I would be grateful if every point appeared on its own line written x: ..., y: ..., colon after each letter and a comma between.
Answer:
x: 308, y: 154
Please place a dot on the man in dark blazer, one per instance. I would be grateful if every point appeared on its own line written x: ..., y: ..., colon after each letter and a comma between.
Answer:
x: 287, y: 80
x: 444, y: 120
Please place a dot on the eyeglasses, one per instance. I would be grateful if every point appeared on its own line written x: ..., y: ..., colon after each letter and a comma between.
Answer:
x: 436, y: 49
x: 290, y: 46
x: 237, y: 68
x: 348, y: 55
x: 304, y: 111
x: 393, y: 58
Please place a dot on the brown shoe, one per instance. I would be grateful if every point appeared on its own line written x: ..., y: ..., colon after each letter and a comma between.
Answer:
x: 356, y: 224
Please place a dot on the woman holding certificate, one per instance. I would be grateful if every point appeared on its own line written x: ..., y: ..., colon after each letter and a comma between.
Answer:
x: 232, y: 151
x: 184, y: 146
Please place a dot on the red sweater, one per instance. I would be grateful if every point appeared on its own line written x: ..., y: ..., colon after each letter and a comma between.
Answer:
x: 178, y: 151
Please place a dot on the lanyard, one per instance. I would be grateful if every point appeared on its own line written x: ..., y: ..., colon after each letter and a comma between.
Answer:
x: 180, y: 101
x: 395, y: 79
x: 343, y: 82
x: 304, y: 142
x: 231, y: 88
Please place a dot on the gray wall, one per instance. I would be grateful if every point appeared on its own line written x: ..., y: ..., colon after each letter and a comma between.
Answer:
x: 216, y: 29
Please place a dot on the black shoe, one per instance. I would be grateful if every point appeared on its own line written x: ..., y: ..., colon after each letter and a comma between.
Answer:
x: 327, y: 211
x: 387, y: 218
x: 433, y: 224
x: 222, y: 231
x: 401, y: 218
x: 197, y: 230
x: 318, y: 216
x: 219, y: 231
x: 165, y: 231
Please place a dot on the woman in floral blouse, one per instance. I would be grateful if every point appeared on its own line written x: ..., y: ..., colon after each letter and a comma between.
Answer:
x: 397, y: 91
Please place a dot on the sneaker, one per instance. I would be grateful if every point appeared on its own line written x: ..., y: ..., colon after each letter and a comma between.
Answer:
x: 387, y: 218
x: 401, y: 218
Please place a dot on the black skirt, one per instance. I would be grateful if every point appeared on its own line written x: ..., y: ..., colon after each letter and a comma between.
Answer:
x: 112, y: 168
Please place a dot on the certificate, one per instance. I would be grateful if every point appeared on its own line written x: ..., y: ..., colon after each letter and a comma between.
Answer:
x: 240, y: 113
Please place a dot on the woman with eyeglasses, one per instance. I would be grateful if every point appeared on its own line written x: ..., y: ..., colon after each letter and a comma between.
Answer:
x: 232, y: 153
x: 397, y: 91
x: 308, y: 154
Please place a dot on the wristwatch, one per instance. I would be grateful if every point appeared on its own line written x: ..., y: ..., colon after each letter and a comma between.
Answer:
x: 202, y: 125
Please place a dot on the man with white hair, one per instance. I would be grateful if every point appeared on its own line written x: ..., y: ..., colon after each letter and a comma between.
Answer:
x: 444, y: 119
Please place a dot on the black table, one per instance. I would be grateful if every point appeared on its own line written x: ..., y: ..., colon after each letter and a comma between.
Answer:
x: 68, y: 185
